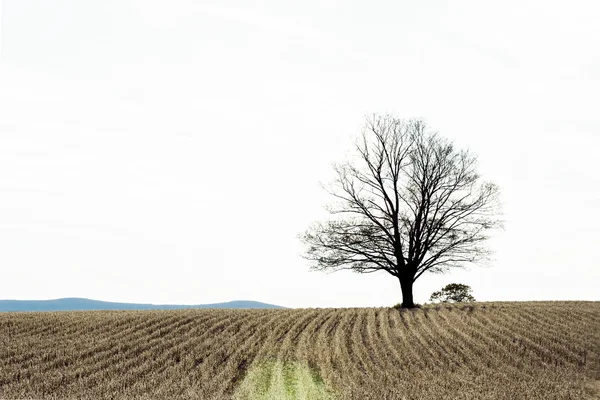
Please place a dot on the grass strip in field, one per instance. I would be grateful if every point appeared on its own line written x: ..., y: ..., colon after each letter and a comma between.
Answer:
x: 282, y: 380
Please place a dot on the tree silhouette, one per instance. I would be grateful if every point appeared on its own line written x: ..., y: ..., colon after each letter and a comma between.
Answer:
x: 407, y: 203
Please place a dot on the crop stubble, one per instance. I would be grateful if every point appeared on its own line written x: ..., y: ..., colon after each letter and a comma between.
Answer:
x: 536, y: 350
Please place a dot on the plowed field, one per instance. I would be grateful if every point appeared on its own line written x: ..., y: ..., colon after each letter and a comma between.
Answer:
x: 541, y: 350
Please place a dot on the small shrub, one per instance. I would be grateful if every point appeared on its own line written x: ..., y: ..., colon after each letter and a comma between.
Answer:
x: 453, y: 293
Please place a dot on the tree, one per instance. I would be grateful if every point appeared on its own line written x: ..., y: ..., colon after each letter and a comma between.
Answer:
x: 407, y: 203
x: 453, y: 292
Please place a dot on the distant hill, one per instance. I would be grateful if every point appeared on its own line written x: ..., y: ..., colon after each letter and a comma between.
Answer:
x: 80, y: 304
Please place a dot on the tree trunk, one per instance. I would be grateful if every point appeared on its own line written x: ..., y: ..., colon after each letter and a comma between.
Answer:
x: 406, y: 285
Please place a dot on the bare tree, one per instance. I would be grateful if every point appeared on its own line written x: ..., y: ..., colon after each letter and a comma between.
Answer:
x: 407, y: 203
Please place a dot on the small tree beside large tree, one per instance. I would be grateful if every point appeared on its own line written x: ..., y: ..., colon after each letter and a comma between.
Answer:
x: 453, y: 293
x: 407, y: 203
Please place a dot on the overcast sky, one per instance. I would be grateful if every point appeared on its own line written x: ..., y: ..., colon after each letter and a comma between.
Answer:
x: 171, y: 151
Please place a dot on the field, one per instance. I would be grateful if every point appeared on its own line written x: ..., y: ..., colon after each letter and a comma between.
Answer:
x: 538, y: 350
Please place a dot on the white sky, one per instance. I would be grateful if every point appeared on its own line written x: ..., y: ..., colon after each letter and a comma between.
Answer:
x: 171, y: 151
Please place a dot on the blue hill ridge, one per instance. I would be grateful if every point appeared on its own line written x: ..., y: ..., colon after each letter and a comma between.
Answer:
x: 82, y: 304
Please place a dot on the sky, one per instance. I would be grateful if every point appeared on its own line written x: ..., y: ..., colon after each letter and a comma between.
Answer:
x: 173, y: 151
